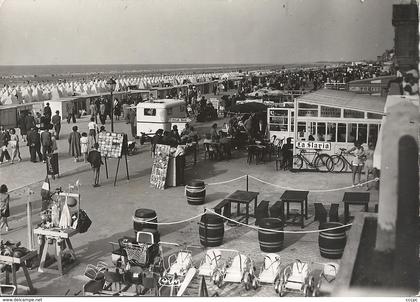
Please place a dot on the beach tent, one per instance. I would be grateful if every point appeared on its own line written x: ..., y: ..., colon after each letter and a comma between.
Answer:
x: 55, y: 93
x: 391, y: 100
x: 26, y: 95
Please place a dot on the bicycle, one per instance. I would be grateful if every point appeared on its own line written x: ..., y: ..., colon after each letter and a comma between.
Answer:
x: 320, y: 161
x: 339, y: 162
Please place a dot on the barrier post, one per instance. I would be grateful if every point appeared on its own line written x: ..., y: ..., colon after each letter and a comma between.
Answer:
x: 29, y: 220
x: 247, y: 182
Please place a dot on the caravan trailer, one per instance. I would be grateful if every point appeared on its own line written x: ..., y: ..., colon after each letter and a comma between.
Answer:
x: 160, y: 114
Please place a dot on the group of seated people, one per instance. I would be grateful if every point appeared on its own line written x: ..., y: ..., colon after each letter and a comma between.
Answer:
x: 217, y: 143
x: 173, y: 138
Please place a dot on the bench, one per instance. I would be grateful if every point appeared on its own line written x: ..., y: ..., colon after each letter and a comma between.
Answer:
x: 225, y: 206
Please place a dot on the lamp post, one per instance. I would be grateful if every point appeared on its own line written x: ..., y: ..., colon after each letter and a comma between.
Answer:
x: 111, y: 84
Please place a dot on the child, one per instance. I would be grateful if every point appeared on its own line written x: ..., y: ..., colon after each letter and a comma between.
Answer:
x: 95, y: 161
x: 84, y: 145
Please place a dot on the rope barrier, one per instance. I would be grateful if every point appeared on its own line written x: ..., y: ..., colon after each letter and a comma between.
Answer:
x: 225, y: 182
x: 315, y: 191
x: 136, y: 219
x: 278, y: 231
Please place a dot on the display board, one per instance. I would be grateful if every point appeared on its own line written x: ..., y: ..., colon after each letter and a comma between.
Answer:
x: 160, y: 166
x: 111, y: 145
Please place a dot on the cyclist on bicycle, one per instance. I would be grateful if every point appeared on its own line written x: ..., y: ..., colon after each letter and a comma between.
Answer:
x: 357, y: 162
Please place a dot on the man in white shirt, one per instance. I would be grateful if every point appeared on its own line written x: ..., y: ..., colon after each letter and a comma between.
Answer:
x: 93, y: 128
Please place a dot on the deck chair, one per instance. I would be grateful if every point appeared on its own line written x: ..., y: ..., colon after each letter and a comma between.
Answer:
x: 330, y: 271
x: 181, y: 264
x: 235, y: 271
x: 270, y: 269
x: 300, y: 271
x: 210, y: 262
x: 7, y: 290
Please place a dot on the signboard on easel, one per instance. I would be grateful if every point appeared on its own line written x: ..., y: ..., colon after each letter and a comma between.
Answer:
x: 160, y: 166
x: 113, y: 145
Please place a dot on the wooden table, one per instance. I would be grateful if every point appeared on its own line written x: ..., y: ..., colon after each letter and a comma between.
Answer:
x: 245, y: 197
x: 60, y: 238
x: 355, y: 198
x: 301, y: 197
x: 12, y: 261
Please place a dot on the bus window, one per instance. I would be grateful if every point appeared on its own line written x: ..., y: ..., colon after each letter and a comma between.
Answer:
x: 341, y: 133
x: 321, y: 132
x: 373, y: 133
x: 362, y: 133
x: 149, y: 111
x: 331, y: 128
x: 351, y: 133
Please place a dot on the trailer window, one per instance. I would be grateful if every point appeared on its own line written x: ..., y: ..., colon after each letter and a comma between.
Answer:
x: 352, y: 132
x: 149, y: 112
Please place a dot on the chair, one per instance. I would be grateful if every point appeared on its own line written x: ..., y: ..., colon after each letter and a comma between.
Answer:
x: 210, y: 262
x: 320, y: 212
x: 300, y: 271
x: 270, y: 269
x: 7, y: 290
x: 277, y: 210
x: 209, y: 151
x: 262, y: 211
x: 181, y: 264
x: 235, y: 271
x: 333, y: 213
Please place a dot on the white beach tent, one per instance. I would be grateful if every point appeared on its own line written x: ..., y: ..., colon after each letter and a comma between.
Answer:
x: 391, y: 100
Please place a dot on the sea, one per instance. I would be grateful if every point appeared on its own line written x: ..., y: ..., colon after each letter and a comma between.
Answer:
x: 16, y: 74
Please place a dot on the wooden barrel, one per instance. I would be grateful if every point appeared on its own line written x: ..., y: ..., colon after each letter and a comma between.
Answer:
x: 332, y: 242
x: 271, y: 242
x: 211, y: 230
x: 196, y: 192
x: 141, y: 215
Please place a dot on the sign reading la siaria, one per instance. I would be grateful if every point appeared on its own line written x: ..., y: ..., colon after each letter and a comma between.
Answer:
x: 313, y: 145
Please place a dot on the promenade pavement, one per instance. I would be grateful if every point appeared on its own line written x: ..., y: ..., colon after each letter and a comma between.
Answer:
x: 111, y: 209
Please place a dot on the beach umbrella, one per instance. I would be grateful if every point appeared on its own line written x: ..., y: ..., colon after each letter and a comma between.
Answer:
x: 248, y: 107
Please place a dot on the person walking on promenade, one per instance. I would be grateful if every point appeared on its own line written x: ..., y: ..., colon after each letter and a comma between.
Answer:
x: 47, y: 113
x: 14, y: 145
x: 45, y: 143
x: 29, y: 121
x: 95, y: 160
x: 357, y: 163
x: 22, y: 125
x: 56, y: 121
x: 93, y: 128
x: 71, y: 112
x: 84, y: 141
x: 4, y: 142
x: 368, y: 167
x: 74, y: 144
x: 102, y: 112
x: 133, y: 122
x: 4, y: 207
x: 34, y: 143
x: 92, y: 108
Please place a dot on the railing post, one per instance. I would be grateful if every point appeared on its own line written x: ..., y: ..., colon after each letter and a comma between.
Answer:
x: 247, y: 182
x: 29, y: 220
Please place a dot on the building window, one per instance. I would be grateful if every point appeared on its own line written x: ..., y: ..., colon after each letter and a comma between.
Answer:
x: 341, y: 133
x: 373, y: 133
x: 352, y: 132
x: 321, y: 132
x: 374, y: 116
x: 330, y: 111
x: 278, y: 120
x: 353, y: 114
x: 331, y: 129
x: 362, y: 133
x: 309, y: 110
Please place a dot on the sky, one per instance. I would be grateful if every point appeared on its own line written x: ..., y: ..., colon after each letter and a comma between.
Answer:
x: 47, y: 32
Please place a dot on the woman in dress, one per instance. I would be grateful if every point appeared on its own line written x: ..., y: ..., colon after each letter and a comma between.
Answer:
x: 4, y: 207
x: 357, y: 162
x: 14, y: 145
x: 74, y: 144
